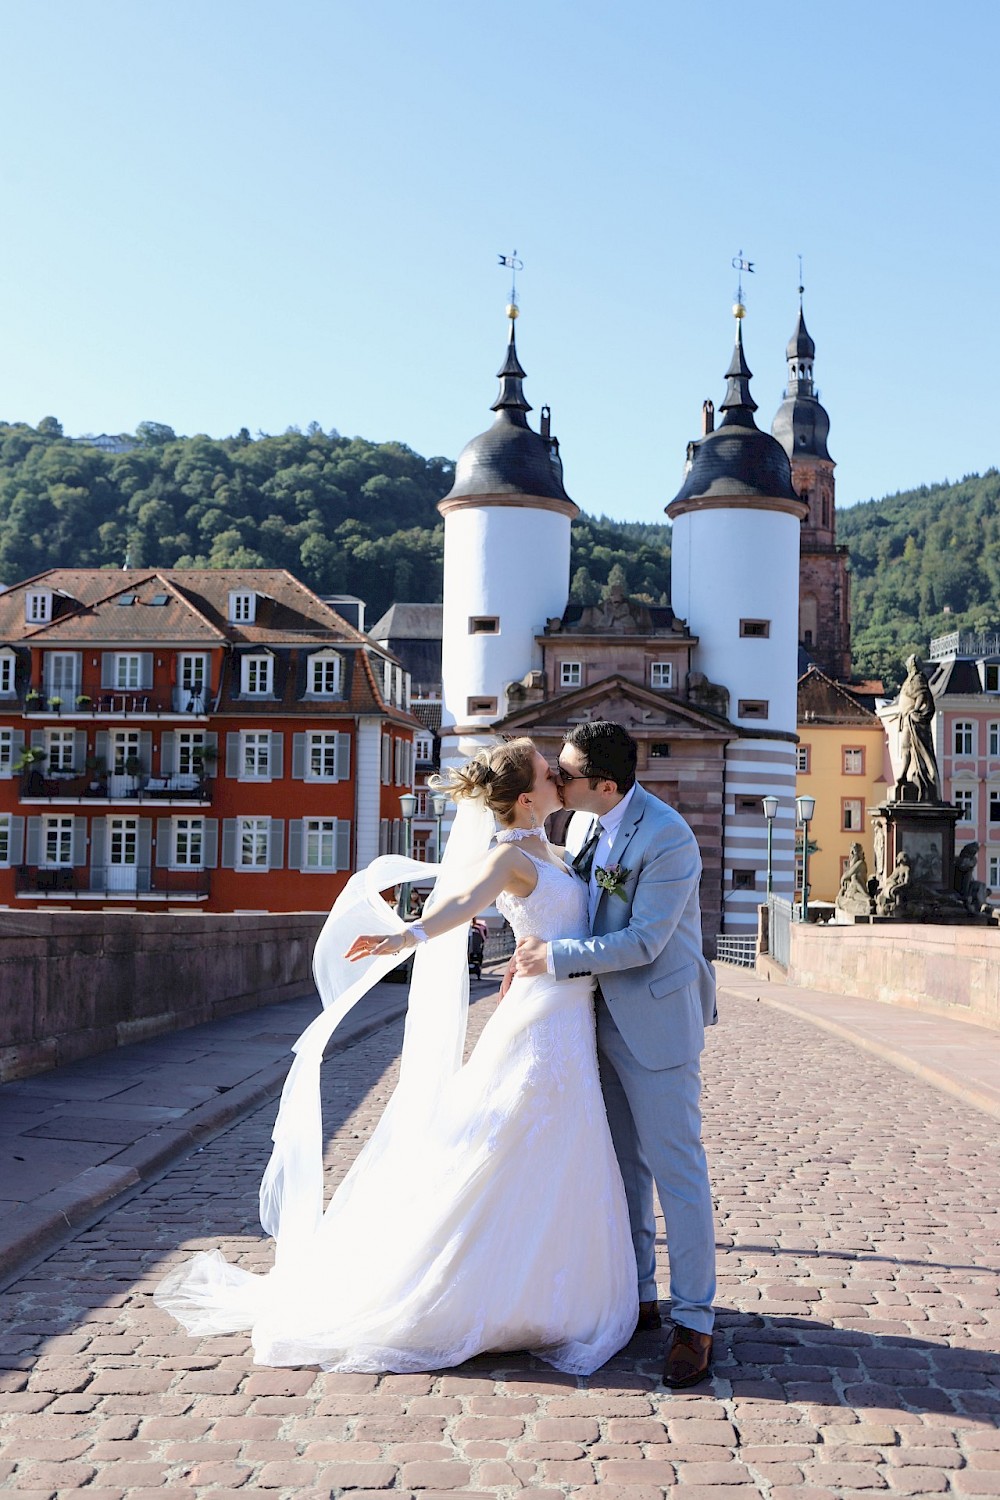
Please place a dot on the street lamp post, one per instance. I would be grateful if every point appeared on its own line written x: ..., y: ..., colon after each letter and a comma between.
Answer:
x: 407, y: 806
x: 805, y: 807
x: 439, y: 803
x: 770, y: 813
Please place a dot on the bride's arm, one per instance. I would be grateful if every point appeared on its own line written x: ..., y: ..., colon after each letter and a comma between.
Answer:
x: 504, y: 869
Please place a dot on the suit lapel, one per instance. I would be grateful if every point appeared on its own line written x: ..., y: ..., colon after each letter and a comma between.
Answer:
x: 626, y: 832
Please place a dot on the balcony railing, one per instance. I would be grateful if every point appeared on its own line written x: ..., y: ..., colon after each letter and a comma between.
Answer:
x: 36, y: 787
x: 110, y: 880
x: 118, y: 702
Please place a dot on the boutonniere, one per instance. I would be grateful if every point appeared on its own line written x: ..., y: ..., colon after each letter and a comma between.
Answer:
x: 612, y: 879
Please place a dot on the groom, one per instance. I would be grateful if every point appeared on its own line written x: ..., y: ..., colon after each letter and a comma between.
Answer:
x: 655, y: 995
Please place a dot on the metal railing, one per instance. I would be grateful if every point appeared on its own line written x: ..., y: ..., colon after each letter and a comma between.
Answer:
x: 739, y: 949
x: 110, y: 880
x: 119, y: 702
x: 499, y: 945
x: 779, y: 928
x: 965, y: 643
x: 36, y: 787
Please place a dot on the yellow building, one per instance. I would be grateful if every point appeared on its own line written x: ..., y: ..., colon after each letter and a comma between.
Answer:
x: 843, y: 762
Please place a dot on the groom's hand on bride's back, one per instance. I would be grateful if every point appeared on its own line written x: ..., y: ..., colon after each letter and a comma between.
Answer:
x: 508, y: 978
x: 530, y: 958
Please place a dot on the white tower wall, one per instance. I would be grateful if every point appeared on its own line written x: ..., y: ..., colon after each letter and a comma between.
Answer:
x: 733, y: 565
x: 505, y: 561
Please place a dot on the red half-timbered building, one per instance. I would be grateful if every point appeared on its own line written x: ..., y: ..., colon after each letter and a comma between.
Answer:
x: 209, y: 738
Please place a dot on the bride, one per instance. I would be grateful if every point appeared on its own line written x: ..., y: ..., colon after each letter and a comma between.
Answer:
x: 487, y: 1211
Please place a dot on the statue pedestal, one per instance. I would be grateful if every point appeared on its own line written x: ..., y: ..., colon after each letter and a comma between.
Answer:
x: 920, y: 887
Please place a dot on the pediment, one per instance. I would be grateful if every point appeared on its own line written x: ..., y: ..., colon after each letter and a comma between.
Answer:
x: 620, y: 701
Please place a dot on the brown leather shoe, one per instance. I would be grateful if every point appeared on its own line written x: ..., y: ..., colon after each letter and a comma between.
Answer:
x: 649, y: 1318
x: 689, y: 1358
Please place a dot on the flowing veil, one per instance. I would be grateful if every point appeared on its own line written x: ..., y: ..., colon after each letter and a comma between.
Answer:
x: 291, y: 1193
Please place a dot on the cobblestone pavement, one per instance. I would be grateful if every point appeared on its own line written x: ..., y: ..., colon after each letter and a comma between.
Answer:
x: 859, y: 1315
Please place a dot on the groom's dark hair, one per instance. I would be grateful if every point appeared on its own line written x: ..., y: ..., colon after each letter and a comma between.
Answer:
x: 609, y: 752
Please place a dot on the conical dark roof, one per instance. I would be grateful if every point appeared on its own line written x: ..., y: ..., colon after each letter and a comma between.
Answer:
x: 800, y: 345
x: 509, y: 457
x: 737, y: 458
x: 801, y: 424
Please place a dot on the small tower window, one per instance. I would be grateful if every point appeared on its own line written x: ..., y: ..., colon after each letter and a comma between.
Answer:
x: 753, y: 708
x: 748, y: 805
x: 481, y: 706
x: 484, y: 625
x: 659, y: 750
x: 756, y: 629
x: 744, y: 880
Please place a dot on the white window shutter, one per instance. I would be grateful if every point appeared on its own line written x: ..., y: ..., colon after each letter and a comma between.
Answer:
x: 343, y: 860
x: 145, y: 843
x: 164, y: 842
x: 277, y: 756
x: 210, y: 843
x: 232, y: 762
x: 229, y: 832
x: 80, y: 841
x: 276, y: 845
x: 107, y: 669
x: 16, y: 846
x: 343, y: 761
x: 295, y: 844
x: 34, y: 849
x: 298, y: 757
x: 168, y: 753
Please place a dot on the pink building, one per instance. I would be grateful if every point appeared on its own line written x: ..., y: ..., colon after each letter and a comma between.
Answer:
x: 964, y: 676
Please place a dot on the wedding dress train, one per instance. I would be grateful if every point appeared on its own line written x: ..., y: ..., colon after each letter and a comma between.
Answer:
x: 486, y: 1213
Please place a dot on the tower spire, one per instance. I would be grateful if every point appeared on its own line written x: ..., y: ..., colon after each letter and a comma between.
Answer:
x: 738, y: 405
x: 511, y: 398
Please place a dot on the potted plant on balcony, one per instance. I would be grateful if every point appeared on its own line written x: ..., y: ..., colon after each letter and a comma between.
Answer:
x: 29, y: 764
x: 83, y: 700
x: 204, y: 757
x: 33, y: 700
x: 55, y: 704
x: 133, y: 768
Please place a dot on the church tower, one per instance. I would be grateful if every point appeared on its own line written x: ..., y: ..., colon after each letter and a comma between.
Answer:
x: 801, y: 427
x: 507, y: 520
x: 734, y: 578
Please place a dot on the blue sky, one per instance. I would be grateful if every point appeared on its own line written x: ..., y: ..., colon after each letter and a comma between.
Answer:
x: 227, y: 213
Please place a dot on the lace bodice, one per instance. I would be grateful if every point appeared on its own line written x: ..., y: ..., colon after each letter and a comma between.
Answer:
x: 557, y: 907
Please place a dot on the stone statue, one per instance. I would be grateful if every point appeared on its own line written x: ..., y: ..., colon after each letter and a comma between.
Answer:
x: 913, y: 710
x: 893, y: 894
x: 973, y: 892
x: 853, y: 896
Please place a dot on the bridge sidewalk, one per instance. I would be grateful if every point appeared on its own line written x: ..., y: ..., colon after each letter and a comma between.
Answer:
x: 955, y: 1055
x: 95, y: 1131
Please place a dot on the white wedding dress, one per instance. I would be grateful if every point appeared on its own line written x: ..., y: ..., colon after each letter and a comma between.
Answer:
x: 486, y: 1213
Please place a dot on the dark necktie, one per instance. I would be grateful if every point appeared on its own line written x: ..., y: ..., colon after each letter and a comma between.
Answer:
x: 584, y: 861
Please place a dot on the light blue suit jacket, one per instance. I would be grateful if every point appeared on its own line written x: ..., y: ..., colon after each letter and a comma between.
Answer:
x: 646, y: 949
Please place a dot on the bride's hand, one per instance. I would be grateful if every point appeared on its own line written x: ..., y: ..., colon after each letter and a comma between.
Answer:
x: 377, y: 945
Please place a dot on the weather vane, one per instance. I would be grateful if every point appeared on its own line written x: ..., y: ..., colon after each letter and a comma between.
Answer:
x: 740, y: 265
x: 514, y: 265
x: 801, y: 287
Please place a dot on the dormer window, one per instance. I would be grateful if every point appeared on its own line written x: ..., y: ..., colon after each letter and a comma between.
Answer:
x: 325, y: 675
x: 257, y: 676
x: 37, y: 606
x: 7, y: 672
x: 242, y: 607
x: 991, y: 676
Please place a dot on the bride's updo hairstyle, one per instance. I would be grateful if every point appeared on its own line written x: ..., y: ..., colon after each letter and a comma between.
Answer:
x: 497, y: 776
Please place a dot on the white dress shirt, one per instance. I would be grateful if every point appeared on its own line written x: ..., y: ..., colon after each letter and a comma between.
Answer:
x: 610, y: 823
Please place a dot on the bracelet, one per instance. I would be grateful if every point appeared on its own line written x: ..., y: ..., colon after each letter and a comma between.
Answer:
x: 419, y: 935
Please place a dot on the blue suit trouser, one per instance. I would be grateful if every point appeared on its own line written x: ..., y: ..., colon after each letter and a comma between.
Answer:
x: 655, y: 1121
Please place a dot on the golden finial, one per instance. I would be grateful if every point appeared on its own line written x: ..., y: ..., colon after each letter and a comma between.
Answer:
x: 514, y: 265
x: 740, y: 265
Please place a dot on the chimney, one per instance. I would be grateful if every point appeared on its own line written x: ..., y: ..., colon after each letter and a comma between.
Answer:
x: 707, y: 417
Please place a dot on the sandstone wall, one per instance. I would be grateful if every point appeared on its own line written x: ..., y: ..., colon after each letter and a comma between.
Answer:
x: 950, y: 970
x: 73, y: 985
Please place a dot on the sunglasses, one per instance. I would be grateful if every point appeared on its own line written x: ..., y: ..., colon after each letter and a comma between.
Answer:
x: 566, y: 776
